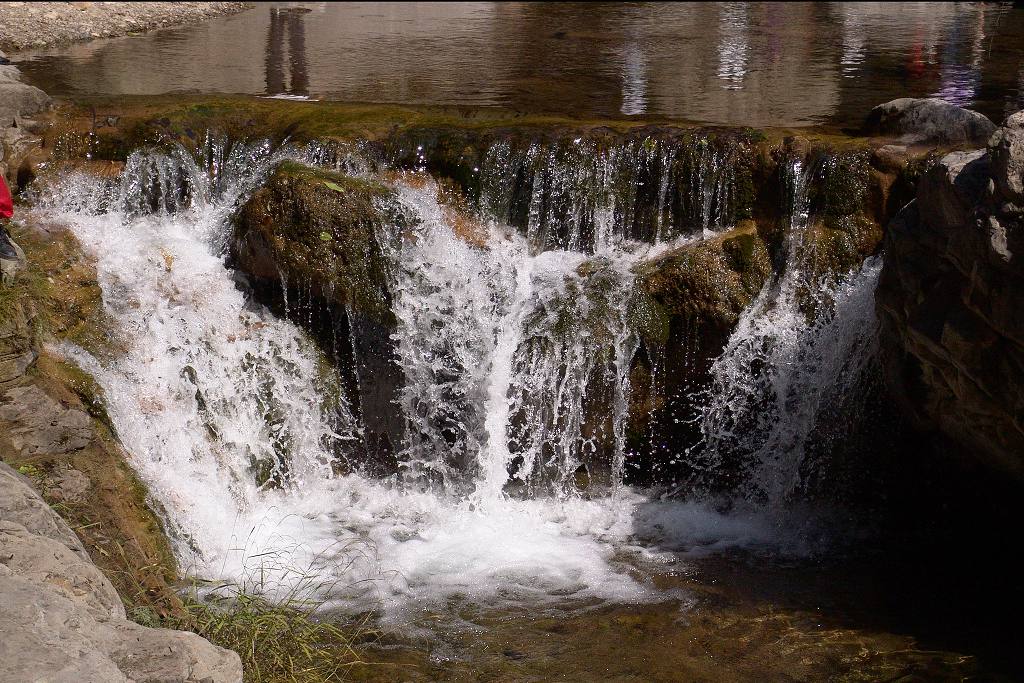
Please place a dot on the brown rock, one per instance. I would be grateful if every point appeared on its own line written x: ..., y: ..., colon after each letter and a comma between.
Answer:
x: 950, y: 298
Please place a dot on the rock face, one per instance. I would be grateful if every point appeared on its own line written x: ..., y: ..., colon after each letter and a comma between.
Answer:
x: 928, y: 120
x: 950, y: 300
x: 16, y: 352
x: 18, y: 99
x: 316, y: 244
x: 62, y: 620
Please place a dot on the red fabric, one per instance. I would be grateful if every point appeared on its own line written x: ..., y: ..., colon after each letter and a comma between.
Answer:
x: 6, y: 203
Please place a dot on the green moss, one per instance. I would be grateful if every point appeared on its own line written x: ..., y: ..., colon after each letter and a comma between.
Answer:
x: 326, y: 231
x: 843, y: 186
x: 31, y: 471
x: 81, y: 383
x: 649, y: 319
x: 712, y: 280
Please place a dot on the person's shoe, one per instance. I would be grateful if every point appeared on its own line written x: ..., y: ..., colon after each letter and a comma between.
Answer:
x: 7, y: 250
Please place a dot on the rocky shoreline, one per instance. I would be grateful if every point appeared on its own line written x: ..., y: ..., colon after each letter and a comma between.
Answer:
x: 33, y: 25
x: 62, y: 618
x: 65, y: 591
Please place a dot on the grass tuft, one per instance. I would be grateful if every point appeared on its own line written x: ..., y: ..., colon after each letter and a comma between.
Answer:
x: 277, y: 642
x: 281, y: 627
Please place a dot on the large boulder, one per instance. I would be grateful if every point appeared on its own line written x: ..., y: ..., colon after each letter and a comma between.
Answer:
x: 950, y: 299
x: 928, y: 121
x: 318, y: 245
x: 18, y: 99
x: 62, y: 620
x: 325, y: 231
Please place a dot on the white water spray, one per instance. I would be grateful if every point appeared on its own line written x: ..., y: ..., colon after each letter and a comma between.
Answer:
x: 510, y: 353
x: 783, y: 366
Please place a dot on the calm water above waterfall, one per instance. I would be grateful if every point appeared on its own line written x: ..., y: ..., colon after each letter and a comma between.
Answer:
x: 756, y: 64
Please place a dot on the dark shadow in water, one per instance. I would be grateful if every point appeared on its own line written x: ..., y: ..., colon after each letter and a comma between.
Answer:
x: 930, y: 552
x: 286, y: 31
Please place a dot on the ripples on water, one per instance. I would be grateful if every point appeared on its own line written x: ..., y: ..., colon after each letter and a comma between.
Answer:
x: 755, y: 64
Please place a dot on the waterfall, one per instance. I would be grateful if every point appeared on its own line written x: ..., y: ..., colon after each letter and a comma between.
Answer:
x: 210, y: 390
x: 800, y: 347
x: 515, y: 341
x: 586, y: 192
x: 236, y: 421
x: 499, y: 347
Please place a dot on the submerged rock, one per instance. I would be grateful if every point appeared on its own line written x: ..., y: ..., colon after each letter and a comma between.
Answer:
x: 928, y: 121
x: 63, y: 620
x: 950, y: 300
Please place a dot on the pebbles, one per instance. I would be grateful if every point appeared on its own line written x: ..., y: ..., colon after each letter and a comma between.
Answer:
x: 28, y: 25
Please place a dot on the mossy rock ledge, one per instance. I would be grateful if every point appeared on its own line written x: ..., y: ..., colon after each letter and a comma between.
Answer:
x: 315, y: 246
x: 320, y: 230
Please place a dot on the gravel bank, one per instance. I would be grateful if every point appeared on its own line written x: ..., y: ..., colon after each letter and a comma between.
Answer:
x: 26, y: 25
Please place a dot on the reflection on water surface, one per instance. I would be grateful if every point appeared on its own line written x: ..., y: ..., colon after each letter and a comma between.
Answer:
x: 755, y: 64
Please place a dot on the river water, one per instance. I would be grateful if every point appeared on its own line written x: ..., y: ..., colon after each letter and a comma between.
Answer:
x: 748, y: 64
x: 474, y: 579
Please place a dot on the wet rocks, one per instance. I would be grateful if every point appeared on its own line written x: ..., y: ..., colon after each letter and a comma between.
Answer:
x: 323, y: 230
x: 928, y: 121
x: 950, y: 298
x: 63, y: 620
x: 692, y: 297
x: 712, y: 280
x: 316, y: 244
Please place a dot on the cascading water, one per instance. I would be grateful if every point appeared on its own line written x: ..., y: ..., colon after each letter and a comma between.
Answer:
x: 580, y: 193
x: 516, y: 350
x: 499, y: 347
x: 233, y: 423
x: 804, y: 344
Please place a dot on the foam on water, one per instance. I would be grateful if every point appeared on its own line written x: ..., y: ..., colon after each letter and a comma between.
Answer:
x: 232, y: 417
